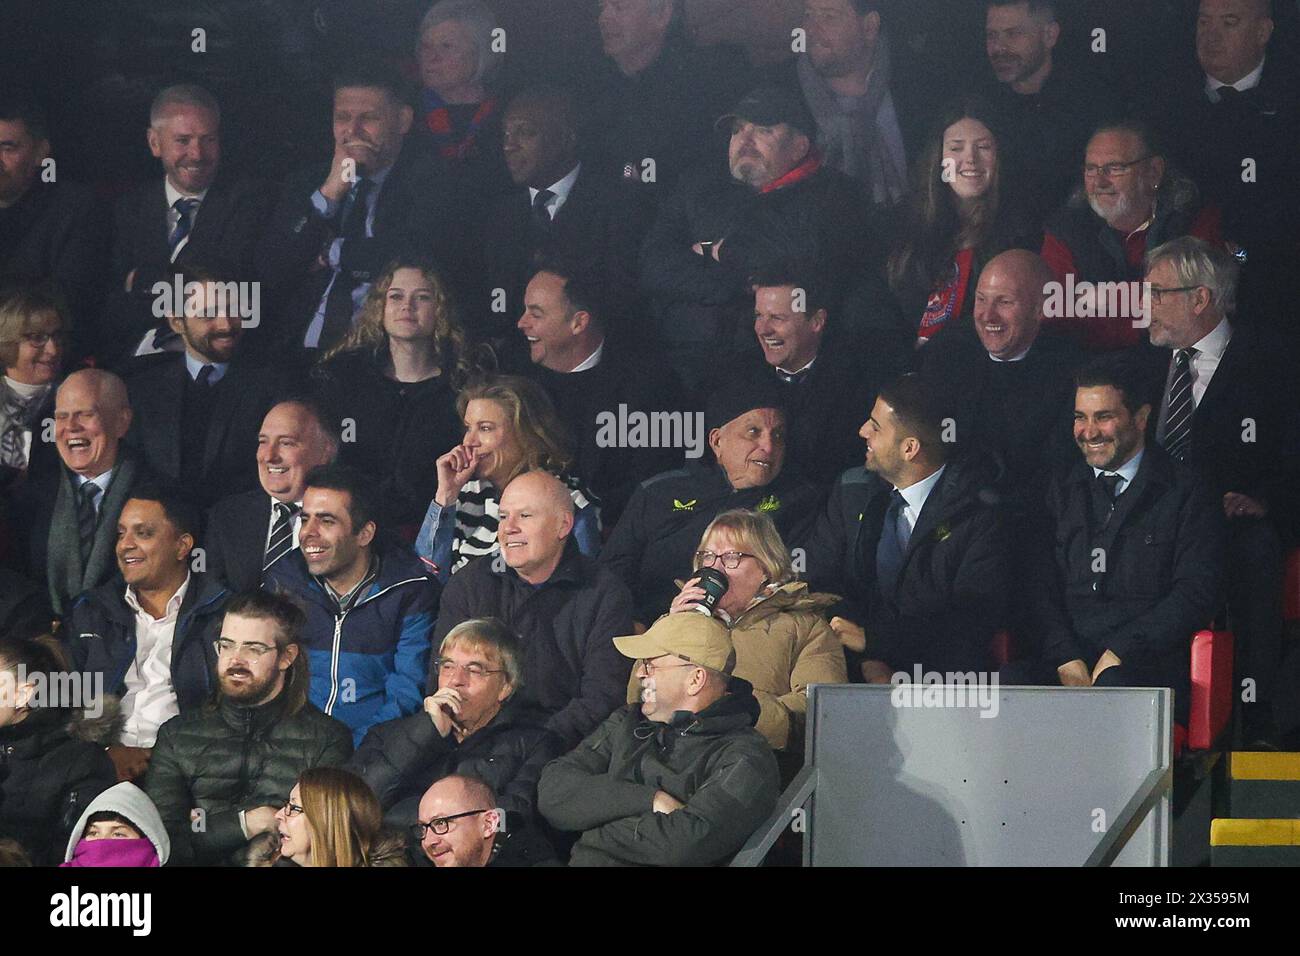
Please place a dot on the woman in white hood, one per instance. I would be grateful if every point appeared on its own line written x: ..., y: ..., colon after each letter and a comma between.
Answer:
x: 121, y: 827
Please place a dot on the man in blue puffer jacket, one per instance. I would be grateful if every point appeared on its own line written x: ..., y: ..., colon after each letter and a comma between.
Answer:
x: 370, y: 609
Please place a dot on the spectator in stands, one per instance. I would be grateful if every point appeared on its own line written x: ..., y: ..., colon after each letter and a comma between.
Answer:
x: 1228, y: 410
x: 196, y: 414
x: 1128, y: 619
x: 595, y: 375
x: 217, y: 775
x: 680, y: 779
x: 1046, y: 107
x: 661, y: 527
x: 963, y: 210
x: 190, y: 215
x: 778, y: 201
x: 121, y: 827
x: 472, y: 724
x: 1131, y: 200
x: 395, y: 378
x: 249, y: 532
x: 150, y: 642
x: 458, y: 57
x: 561, y: 208
x: 51, y: 230
x: 332, y: 819
x: 460, y: 824
x: 916, y: 545
x: 336, y: 229
x: 69, y: 517
x: 661, y: 93
x: 370, y: 606
x: 826, y: 380
x: 564, y: 606
x: 32, y: 343
x: 53, y: 749
x: 510, y: 427
x: 782, y: 642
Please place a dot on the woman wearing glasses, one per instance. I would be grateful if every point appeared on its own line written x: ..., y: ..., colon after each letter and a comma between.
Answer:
x: 782, y: 643
x: 332, y: 819
x: 32, y: 341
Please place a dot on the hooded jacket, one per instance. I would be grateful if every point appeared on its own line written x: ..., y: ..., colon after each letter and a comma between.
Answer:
x: 714, y: 761
x: 52, y: 765
x: 129, y: 801
x: 367, y: 663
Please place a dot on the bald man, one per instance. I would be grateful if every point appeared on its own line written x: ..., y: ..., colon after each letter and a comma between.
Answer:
x: 564, y: 606
x: 69, y: 517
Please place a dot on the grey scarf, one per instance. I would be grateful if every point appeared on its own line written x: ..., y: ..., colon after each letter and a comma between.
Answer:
x: 851, y: 140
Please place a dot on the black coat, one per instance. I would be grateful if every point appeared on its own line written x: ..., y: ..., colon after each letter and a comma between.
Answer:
x: 240, y: 400
x: 953, y: 591
x: 225, y: 758
x: 100, y: 637
x: 402, y: 758
x: 234, y: 538
x: 52, y: 765
x: 571, y: 669
x: 1159, y: 582
x: 656, y: 539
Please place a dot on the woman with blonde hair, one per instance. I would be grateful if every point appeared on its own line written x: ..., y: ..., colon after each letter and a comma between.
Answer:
x: 782, y: 642
x: 33, y: 340
x: 395, y: 377
x: 510, y: 427
x: 333, y: 819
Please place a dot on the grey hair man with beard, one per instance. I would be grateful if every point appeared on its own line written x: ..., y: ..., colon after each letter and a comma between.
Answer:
x: 261, y: 719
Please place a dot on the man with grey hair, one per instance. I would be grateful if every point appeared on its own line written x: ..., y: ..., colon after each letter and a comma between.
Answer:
x: 68, y: 517
x: 1227, y: 410
x: 190, y: 215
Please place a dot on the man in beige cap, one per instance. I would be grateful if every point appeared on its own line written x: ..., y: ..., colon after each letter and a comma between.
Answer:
x: 680, y: 779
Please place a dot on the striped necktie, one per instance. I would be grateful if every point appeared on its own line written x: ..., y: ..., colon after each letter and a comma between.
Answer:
x: 185, y: 209
x: 281, y: 540
x: 1178, y: 422
x: 87, y: 518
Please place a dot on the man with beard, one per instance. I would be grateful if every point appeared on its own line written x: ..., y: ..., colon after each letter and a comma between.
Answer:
x: 1130, y: 550
x: 218, y: 775
x: 197, y: 414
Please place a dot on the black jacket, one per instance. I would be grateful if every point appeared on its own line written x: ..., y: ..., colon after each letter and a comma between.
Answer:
x: 1153, y: 583
x: 235, y: 539
x: 402, y: 758
x: 656, y: 539
x: 571, y: 669
x: 52, y: 765
x: 953, y: 591
x: 225, y: 758
x: 100, y: 637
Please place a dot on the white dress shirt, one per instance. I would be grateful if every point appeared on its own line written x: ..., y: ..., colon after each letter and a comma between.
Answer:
x: 591, y: 361
x: 150, y: 699
x: 1128, y: 471
x: 1247, y: 82
x: 1209, y: 353
x: 270, y: 523
x: 560, y: 190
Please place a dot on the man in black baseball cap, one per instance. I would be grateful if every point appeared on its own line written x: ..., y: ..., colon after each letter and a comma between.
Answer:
x: 772, y: 134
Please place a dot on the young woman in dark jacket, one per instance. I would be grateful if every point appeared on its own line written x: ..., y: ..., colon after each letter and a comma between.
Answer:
x: 52, y: 757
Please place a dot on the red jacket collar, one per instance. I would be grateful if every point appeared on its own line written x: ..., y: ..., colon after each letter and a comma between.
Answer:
x: 811, y: 163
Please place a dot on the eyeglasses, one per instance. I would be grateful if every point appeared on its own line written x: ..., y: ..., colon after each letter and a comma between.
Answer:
x: 1157, y: 292
x: 291, y: 809
x: 474, y: 670
x: 41, y: 339
x: 1112, y: 170
x: 650, y: 667
x: 730, y: 559
x: 439, y: 826
x: 225, y: 646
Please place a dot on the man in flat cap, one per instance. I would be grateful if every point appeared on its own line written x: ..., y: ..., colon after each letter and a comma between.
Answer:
x: 680, y: 779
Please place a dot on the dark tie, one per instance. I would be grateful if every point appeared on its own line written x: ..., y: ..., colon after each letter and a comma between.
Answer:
x: 281, y: 542
x: 86, y: 518
x: 1110, y: 484
x: 1178, y: 422
x: 204, y: 379
x: 891, y: 547
x: 792, y: 378
x: 542, y: 215
x: 1228, y: 94
x: 339, y: 305
x: 185, y: 207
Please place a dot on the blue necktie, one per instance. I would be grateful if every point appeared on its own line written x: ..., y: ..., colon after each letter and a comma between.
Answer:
x: 185, y: 208
x: 891, y: 547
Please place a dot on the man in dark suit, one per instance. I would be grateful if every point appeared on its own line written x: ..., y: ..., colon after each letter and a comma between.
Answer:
x: 914, y: 545
x: 1228, y: 410
x: 51, y: 230
x: 190, y: 215
x: 248, y: 532
x: 336, y: 228
x: 68, y: 518
x: 1130, y: 551
x: 562, y: 209
x: 196, y: 414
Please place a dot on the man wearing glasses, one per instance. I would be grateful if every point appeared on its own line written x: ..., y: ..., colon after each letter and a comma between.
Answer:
x: 219, y: 774
x: 1131, y: 200
x: 461, y: 825
x: 680, y: 779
